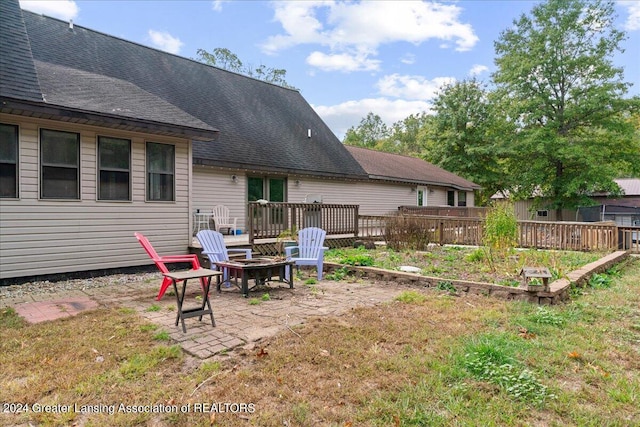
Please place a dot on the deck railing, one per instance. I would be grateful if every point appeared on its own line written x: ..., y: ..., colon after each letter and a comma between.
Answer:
x: 448, y: 211
x: 270, y: 220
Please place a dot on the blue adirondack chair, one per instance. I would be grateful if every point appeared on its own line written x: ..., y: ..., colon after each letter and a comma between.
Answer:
x: 215, y: 249
x: 310, y: 249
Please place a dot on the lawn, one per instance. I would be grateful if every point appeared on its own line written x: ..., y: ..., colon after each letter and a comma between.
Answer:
x: 425, y: 359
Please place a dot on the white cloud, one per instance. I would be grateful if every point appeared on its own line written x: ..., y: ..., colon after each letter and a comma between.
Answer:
x: 61, y: 9
x: 478, y: 69
x: 364, y: 26
x: 411, y: 87
x: 347, y: 114
x: 165, y: 41
x: 408, y: 59
x: 633, y: 20
x: 217, y: 5
x: 342, y: 62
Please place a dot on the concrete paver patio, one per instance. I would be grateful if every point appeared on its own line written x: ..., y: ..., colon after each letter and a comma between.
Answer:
x: 240, y: 322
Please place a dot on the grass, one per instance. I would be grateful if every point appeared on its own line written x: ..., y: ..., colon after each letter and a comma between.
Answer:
x: 428, y: 358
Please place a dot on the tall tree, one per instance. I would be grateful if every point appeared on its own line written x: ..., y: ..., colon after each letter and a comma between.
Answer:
x: 407, y: 135
x: 368, y: 133
x: 223, y: 58
x: 565, y: 96
x: 465, y: 136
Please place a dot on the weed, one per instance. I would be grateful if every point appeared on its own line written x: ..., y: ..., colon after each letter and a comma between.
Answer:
x: 361, y: 258
x: 162, y: 336
x: 599, y: 281
x: 411, y: 297
x: 547, y: 316
x: 254, y: 301
x: 338, y: 274
x: 301, y: 412
x: 154, y: 308
x: 148, y: 328
x: 265, y: 297
x: 446, y: 286
x: 9, y: 319
x: 140, y: 364
x: 491, y: 360
x: 509, y: 282
x: 478, y: 255
x: 311, y: 281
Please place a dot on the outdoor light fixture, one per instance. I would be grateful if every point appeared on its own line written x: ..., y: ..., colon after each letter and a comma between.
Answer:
x: 296, y: 183
x: 234, y: 178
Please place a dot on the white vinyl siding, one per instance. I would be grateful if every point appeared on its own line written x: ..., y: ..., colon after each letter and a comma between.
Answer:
x: 40, y: 237
x: 374, y: 198
x: 215, y: 187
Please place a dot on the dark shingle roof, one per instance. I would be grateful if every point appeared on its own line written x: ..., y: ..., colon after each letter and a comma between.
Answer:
x: 47, y: 90
x: 82, y: 90
x: 17, y: 74
x: 262, y: 126
x: 395, y: 167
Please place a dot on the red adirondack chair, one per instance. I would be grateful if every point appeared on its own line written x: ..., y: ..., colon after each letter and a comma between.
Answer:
x: 161, y: 262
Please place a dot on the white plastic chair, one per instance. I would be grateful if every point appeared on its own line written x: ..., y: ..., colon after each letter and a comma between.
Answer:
x: 309, y: 249
x: 220, y: 214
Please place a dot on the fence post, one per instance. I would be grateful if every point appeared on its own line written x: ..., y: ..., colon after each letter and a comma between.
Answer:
x: 251, y: 224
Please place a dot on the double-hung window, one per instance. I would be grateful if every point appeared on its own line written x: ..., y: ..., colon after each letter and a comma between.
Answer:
x: 114, y: 164
x: 59, y: 164
x: 462, y: 198
x: 160, y: 172
x: 8, y: 161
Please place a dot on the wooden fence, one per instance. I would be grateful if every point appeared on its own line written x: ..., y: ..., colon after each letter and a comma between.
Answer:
x: 271, y: 220
x: 629, y: 238
x: 583, y: 236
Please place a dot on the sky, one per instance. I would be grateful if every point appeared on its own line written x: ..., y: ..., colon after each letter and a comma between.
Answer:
x: 346, y: 58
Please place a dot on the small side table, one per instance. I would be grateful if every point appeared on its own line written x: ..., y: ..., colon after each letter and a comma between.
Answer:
x: 203, y: 273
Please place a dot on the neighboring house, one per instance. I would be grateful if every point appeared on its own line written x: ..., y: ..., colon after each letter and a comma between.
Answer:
x: 397, y: 180
x: 623, y: 210
x: 101, y: 137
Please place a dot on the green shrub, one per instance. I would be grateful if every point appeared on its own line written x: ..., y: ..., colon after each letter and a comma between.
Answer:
x: 501, y: 227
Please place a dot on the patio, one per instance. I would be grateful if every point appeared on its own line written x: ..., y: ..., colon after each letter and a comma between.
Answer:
x: 240, y: 322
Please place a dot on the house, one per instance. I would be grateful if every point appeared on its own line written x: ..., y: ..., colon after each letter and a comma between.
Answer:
x: 623, y: 210
x: 101, y: 137
x: 86, y: 159
x: 403, y: 180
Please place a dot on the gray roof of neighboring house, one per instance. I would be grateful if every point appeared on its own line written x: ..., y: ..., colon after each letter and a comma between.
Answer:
x: 630, y: 186
x: 394, y: 167
x: 262, y: 126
